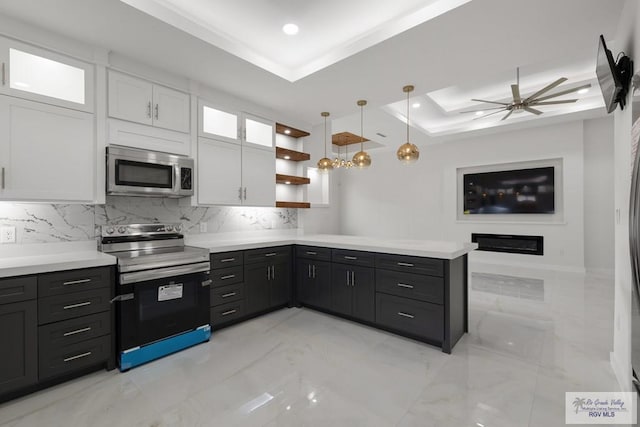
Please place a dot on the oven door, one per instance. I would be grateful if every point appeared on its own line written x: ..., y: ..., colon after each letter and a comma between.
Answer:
x: 152, y: 310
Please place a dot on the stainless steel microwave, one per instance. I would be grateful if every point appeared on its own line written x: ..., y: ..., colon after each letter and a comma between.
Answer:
x: 134, y: 172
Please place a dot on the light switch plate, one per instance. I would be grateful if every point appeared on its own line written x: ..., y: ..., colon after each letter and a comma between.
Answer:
x: 7, y: 234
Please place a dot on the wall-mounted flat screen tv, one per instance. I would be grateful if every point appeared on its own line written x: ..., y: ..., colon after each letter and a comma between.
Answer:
x: 520, y: 191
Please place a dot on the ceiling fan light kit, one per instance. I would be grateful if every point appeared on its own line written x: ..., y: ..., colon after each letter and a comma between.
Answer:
x: 518, y: 104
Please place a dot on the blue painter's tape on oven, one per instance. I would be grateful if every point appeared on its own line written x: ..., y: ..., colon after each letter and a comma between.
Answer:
x: 139, y: 355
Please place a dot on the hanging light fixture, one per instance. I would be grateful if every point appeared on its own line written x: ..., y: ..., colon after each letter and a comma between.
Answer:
x: 347, y: 163
x: 325, y: 164
x: 408, y: 152
x: 362, y: 159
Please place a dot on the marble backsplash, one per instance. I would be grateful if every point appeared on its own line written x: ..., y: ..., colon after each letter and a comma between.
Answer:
x: 45, y: 223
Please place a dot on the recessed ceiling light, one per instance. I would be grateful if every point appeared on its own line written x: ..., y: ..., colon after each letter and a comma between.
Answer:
x: 583, y: 91
x: 479, y: 113
x: 290, y: 29
x: 416, y: 105
x: 287, y: 157
x: 287, y: 182
x: 287, y: 131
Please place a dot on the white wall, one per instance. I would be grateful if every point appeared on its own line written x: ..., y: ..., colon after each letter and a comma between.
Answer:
x: 628, y: 40
x: 598, y: 195
x: 419, y: 201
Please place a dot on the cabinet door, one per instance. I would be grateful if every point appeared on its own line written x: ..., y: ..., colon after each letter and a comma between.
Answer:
x: 305, y: 285
x: 280, y: 285
x: 170, y: 109
x: 256, y: 286
x: 322, y: 279
x: 364, y: 293
x: 258, y: 177
x: 217, y: 123
x: 258, y: 132
x: 18, y: 352
x: 47, y: 152
x: 341, y: 289
x: 130, y: 98
x: 41, y: 75
x: 219, y: 178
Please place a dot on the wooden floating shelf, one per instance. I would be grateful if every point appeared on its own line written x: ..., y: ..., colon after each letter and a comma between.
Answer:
x: 295, y: 156
x: 346, y: 138
x: 293, y: 132
x: 300, y: 205
x: 291, y: 179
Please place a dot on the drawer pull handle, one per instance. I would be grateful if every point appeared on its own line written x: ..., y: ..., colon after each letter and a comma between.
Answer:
x: 79, y: 356
x: 270, y: 254
x: 404, y: 285
x: 77, y: 331
x: 312, y: 253
x: 80, y: 304
x: 410, y: 316
x: 350, y: 257
x: 76, y: 282
x: 228, y: 276
x: 228, y: 260
x: 405, y: 264
x: 207, y: 283
x: 226, y: 313
x: 230, y: 294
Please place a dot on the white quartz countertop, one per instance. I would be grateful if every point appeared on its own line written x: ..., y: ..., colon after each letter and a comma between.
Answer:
x: 19, y: 260
x: 421, y: 248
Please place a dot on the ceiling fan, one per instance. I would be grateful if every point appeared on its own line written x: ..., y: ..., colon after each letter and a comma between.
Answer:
x: 519, y: 104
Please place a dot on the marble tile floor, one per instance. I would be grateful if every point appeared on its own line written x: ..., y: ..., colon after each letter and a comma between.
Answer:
x: 297, y: 367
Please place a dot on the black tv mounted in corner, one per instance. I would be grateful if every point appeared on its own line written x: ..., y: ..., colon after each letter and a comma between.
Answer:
x: 614, y: 78
x: 519, y: 191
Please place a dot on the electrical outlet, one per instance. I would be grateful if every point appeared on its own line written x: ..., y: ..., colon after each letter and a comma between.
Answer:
x: 7, y: 234
x: 203, y: 227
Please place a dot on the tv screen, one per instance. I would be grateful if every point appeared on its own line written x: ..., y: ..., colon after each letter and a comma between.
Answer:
x: 606, y: 71
x: 520, y: 191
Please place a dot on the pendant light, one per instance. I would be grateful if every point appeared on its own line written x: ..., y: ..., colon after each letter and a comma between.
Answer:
x: 408, y: 152
x: 325, y: 164
x: 362, y: 159
x: 347, y: 163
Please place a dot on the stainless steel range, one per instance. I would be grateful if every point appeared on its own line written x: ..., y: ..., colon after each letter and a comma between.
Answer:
x: 162, y: 294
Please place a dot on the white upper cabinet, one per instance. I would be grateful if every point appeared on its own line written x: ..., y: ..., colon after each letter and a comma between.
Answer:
x: 130, y: 98
x: 258, y: 177
x: 140, y: 101
x: 40, y: 75
x: 219, y: 178
x: 259, y: 132
x: 47, y: 153
x: 215, y: 122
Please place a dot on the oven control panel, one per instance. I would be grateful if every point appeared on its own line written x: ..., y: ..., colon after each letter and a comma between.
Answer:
x: 140, y: 229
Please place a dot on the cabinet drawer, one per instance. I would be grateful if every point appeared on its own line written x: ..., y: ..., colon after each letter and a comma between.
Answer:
x: 227, y: 276
x: 63, y: 307
x: 227, y: 312
x: 226, y: 259
x: 345, y: 256
x: 417, y: 318
x: 18, y: 289
x: 63, y: 360
x: 411, y: 264
x: 60, y: 334
x: 66, y: 282
x: 408, y: 285
x: 226, y: 294
x: 313, y: 252
x: 267, y: 254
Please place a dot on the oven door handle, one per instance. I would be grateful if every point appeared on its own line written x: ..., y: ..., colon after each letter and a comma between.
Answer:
x: 123, y: 297
x: 163, y: 273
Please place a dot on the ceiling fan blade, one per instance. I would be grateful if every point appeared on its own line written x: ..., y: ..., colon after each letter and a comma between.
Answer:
x: 491, y: 102
x: 490, y: 114
x: 483, y: 109
x: 564, y: 92
x: 507, y: 115
x: 564, y: 101
x: 515, y: 90
x: 533, y: 110
x: 546, y: 88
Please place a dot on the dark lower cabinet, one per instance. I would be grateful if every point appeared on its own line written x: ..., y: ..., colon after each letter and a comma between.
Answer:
x: 19, y: 349
x: 416, y: 318
x: 353, y: 291
x: 267, y: 277
x: 280, y: 284
x: 313, y: 282
x: 256, y: 283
